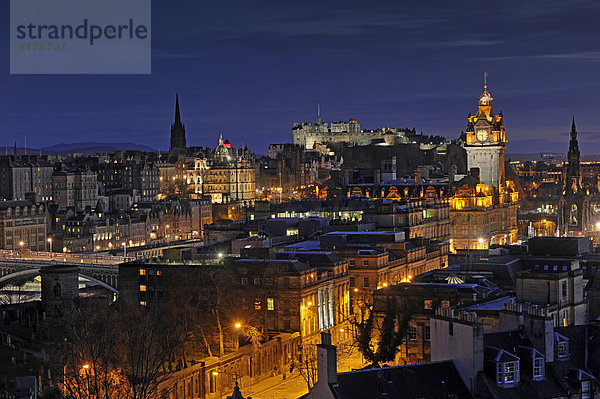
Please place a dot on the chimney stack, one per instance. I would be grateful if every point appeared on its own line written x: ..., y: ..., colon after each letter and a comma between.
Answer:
x: 326, y: 360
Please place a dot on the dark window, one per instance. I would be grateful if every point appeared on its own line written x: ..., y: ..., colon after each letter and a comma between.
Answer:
x: 351, y: 281
x: 451, y: 328
x: 366, y: 282
x: 412, y: 333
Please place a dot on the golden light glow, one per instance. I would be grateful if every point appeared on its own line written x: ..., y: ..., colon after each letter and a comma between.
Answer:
x: 86, y: 366
x: 238, y: 325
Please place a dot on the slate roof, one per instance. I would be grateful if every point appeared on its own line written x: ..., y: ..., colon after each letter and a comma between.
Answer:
x: 438, y: 380
x: 516, y: 342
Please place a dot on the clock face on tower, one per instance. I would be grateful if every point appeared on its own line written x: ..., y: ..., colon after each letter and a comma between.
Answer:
x: 482, y: 135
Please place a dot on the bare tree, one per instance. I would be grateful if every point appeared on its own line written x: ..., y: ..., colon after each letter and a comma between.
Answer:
x: 148, y: 340
x: 90, y: 357
x: 117, y: 352
x: 307, y: 365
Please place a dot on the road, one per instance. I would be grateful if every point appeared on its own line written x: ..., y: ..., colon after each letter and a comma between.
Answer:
x: 96, y: 258
x: 293, y: 387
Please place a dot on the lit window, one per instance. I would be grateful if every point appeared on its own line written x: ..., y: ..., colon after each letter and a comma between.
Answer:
x: 428, y: 304
x: 445, y: 304
x: 257, y: 304
x: 142, y: 272
x: 270, y: 304
x: 143, y: 303
x: 158, y: 272
x: 510, y: 371
x: 142, y: 287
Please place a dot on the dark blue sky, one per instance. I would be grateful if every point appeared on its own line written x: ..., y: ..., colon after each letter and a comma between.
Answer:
x: 249, y: 69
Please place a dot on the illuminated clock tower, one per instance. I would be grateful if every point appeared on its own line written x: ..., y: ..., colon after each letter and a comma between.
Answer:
x: 485, y: 141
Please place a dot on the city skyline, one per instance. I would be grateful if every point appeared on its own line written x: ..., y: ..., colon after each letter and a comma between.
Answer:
x: 244, y: 71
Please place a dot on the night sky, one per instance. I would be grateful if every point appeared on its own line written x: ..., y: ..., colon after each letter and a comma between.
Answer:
x: 249, y: 69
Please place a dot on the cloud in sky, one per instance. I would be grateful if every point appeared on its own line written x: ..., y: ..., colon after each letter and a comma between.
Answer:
x: 252, y: 68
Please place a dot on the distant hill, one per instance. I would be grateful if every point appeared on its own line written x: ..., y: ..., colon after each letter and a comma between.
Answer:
x: 93, y: 148
x: 79, y: 148
x: 556, y: 156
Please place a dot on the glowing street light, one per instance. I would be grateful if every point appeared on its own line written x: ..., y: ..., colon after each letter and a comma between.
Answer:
x: 238, y: 325
x: 86, y: 366
x: 50, y: 242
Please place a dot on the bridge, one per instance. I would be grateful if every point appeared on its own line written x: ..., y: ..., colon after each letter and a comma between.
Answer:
x: 102, y: 270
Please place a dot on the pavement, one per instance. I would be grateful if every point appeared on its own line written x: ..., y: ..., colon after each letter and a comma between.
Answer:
x: 294, y: 386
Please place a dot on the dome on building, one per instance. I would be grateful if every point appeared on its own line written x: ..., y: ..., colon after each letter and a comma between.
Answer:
x: 454, y: 279
x: 221, y: 152
x: 485, y: 98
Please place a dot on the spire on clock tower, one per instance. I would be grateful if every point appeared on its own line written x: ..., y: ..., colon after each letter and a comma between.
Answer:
x: 485, y: 99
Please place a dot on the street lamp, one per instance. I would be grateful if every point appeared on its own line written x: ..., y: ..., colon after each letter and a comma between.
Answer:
x: 124, y: 249
x: 235, y: 375
x: 50, y: 242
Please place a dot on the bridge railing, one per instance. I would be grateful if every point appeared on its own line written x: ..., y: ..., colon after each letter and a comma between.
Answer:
x: 15, y: 254
x: 35, y: 262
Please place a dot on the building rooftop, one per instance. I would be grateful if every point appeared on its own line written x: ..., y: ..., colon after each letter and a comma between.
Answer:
x: 438, y: 380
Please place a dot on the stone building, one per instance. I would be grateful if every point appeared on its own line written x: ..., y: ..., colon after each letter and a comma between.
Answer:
x: 231, y: 177
x: 76, y: 188
x: 528, y: 357
x: 418, y: 302
x: 20, y: 175
x: 309, y: 135
x: 574, y: 212
x: 22, y: 226
x: 427, y: 218
x: 556, y: 285
x: 484, y: 203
